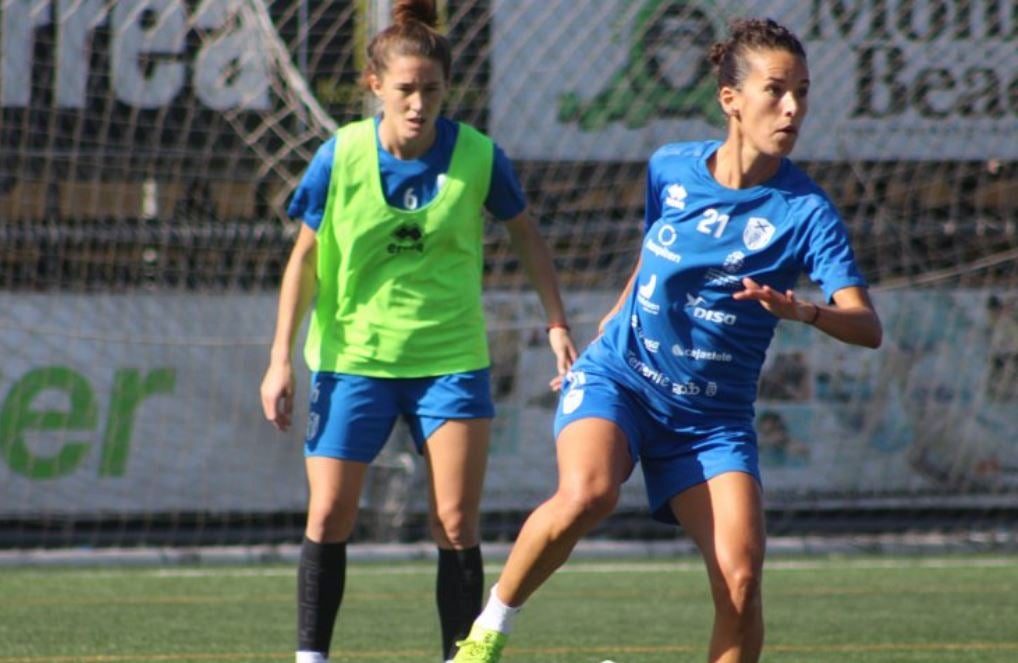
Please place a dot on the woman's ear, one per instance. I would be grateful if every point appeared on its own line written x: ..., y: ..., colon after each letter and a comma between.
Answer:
x: 729, y: 99
x: 375, y: 83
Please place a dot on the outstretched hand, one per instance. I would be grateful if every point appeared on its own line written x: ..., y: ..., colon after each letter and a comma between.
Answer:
x: 565, y: 354
x: 782, y: 305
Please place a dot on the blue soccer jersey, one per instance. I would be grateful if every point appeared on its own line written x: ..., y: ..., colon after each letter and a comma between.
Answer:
x: 680, y: 338
x: 408, y: 183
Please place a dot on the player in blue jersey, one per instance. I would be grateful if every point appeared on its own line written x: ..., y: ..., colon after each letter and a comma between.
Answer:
x: 670, y: 382
x: 389, y: 259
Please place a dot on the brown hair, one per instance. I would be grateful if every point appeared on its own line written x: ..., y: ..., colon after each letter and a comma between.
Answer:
x: 413, y: 32
x: 751, y: 34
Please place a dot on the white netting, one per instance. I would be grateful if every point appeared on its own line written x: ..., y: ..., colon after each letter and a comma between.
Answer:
x: 148, y: 147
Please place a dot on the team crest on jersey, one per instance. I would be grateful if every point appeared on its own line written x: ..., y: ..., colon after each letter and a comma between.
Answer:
x: 572, y: 400
x: 574, y: 396
x: 311, y: 432
x: 676, y: 196
x: 758, y: 233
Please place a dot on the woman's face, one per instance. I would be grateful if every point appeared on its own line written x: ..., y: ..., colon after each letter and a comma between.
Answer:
x: 411, y: 90
x: 771, y: 103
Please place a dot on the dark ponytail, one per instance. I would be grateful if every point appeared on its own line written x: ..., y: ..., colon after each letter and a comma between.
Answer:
x: 746, y: 35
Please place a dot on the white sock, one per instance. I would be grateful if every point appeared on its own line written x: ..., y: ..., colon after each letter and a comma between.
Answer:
x: 311, y: 657
x: 497, y: 615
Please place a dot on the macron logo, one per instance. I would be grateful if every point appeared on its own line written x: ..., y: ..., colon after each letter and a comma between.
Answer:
x: 693, y: 301
x: 676, y: 196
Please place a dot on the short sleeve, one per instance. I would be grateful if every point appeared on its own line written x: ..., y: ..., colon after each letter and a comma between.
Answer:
x: 828, y: 258
x: 505, y: 195
x: 652, y: 202
x: 310, y: 196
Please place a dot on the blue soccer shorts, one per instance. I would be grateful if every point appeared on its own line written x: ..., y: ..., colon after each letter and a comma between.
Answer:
x: 351, y: 416
x: 675, y: 449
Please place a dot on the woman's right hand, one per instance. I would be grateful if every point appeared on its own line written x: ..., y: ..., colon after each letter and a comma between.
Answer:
x: 277, y: 394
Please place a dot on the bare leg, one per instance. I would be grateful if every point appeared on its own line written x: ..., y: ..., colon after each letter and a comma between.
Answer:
x: 593, y: 461
x: 724, y: 517
x: 321, y: 574
x: 335, y: 489
x: 457, y: 454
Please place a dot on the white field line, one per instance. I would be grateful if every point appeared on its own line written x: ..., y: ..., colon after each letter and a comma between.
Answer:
x: 680, y: 566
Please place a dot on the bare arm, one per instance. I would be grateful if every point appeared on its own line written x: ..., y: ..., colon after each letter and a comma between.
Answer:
x: 852, y: 319
x: 295, y: 293
x: 533, y: 251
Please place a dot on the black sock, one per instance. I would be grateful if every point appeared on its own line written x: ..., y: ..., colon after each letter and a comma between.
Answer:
x: 459, y: 592
x: 320, y: 579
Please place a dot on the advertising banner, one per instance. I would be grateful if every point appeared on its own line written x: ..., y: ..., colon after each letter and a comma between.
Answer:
x: 889, y: 80
x: 128, y: 404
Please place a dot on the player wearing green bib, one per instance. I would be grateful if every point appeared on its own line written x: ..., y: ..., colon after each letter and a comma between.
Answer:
x: 406, y: 300
x: 389, y: 259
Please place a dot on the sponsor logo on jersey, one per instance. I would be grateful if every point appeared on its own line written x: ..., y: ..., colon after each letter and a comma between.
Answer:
x: 708, y: 314
x: 676, y: 196
x: 717, y: 278
x: 698, y: 354
x: 686, y: 388
x: 734, y: 262
x: 717, y: 317
x: 694, y: 301
x: 656, y: 377
x: 407, y: 237
x: 645, y: 292
x: 725, y: 277
x: 758, y: 233
x: 666, y: 236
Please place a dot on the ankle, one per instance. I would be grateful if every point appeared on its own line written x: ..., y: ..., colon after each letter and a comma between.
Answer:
x: 496, y: 615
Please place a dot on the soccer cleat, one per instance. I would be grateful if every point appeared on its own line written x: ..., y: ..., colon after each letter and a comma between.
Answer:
x: 483, y: 645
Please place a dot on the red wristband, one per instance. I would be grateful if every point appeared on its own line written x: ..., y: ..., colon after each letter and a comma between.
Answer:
x: 556, y: 325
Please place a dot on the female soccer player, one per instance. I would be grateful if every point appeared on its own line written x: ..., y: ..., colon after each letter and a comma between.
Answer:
x: 671, y: 381
x: 390, y: 250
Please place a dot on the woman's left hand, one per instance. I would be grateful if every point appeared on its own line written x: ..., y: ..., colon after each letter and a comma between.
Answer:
x: 565, y: 354
x: 782, y: 305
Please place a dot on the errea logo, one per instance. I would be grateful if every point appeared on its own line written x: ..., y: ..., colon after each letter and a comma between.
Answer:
x: 676, y: 196
x: 407, y: 237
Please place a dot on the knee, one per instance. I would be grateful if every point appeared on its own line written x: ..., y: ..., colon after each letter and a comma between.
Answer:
x: 454, y: 528
x: 588, y: 504
x: 737, y: 591
x: 330, y: 523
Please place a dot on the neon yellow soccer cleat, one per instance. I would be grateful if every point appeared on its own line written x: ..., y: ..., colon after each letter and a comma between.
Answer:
x: 481, y: 646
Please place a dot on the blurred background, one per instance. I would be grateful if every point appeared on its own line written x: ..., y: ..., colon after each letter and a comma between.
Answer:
x: 148, y: 149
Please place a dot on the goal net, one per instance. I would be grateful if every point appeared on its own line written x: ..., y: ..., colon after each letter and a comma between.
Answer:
x: 148, y: 149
